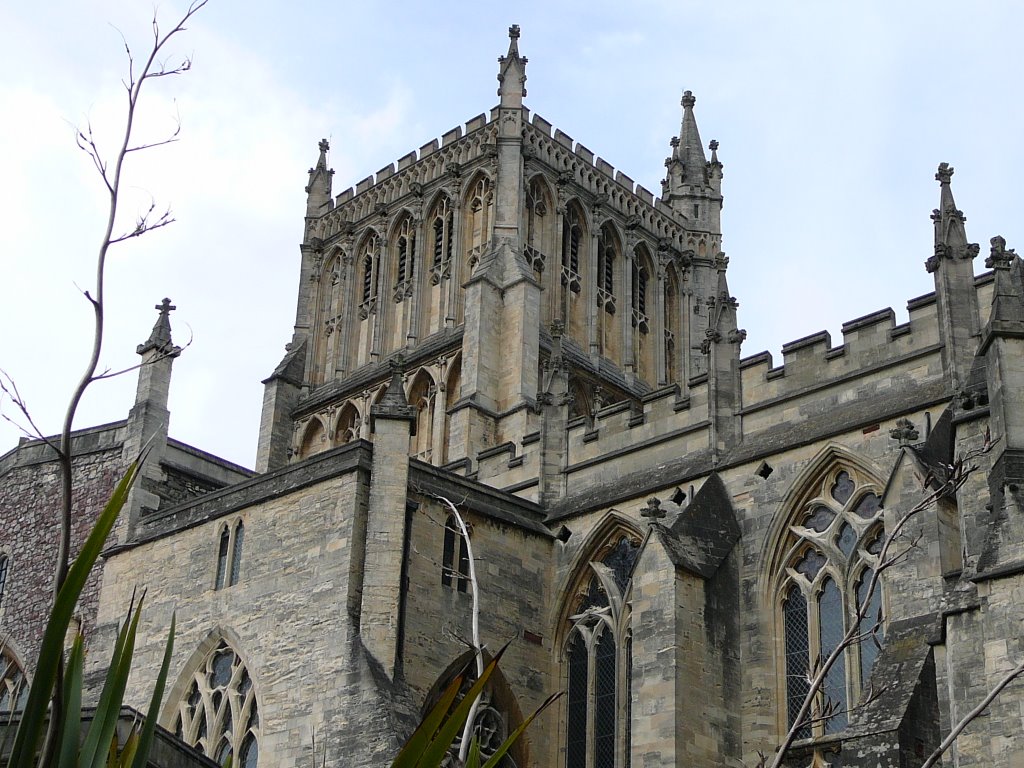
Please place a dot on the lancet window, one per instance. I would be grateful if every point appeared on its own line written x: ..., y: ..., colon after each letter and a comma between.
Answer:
x: 229, y: 555
x: 219, y: 715
x: 832, y: 548
x: 641, y: 278
x: 572, y: 241
x: 442, y: 221
x: 479, y: 204
x: 405, y: 258
x: 368, y: 261
x: 538, y: 223
x: 607, y: 261
x: 597, y: 656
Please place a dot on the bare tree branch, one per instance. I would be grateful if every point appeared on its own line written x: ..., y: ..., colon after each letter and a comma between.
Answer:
x: 815, y: 706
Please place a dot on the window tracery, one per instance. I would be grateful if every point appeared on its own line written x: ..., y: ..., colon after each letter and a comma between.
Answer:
x: 607, y: 259
x: 480, y: 202
x: 598, y: 661
x: 833, y: 548
x: 13, y: 685
x: 219, y: 715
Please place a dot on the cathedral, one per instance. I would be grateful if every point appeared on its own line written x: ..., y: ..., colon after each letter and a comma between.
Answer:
x: 501, y: 328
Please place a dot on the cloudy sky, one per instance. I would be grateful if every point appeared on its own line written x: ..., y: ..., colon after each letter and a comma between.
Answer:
x: 831, y: 117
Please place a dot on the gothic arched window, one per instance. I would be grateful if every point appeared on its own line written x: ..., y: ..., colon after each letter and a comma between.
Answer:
x: 404, y: 258
x: 640, y: 280
x: 219, y: 715
x: 368, y: 261
x: 833, y: 547
x: 442, y: 221
x: 607, y: 260
x: 598, y: 663
x: 572, y: 241
x: 229, y: 555
x: 477, y: 217
x: 13, y: 685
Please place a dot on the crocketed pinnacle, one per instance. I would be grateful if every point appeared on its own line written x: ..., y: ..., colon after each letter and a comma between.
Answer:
x: 160, y: 336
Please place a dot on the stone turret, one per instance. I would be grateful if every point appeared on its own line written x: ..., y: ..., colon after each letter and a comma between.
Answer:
x: 952, y: 264
x: 693, y: 186
x: 146, y: 428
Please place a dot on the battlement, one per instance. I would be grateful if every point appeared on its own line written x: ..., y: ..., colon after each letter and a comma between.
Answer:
x: 462, y: 149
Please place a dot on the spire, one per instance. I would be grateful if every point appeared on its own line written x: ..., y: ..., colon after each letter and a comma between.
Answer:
x: 318, y: 190
x: 512, y: 72
x: 950, y: 234
x: 693, y: 186
x: 952, y: 266
x: 689, y: 150
x: 160, y: 337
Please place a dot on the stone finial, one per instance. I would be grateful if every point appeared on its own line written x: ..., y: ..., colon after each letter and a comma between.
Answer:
x: 513, y: 32
x: 160, y: 336
x: 324, y: 145
x: 904, y: 432
x: 944, y: 173
x: 512, y: 89
x: 674, y: 142
x: 1000, y: 257
x: 653, y: 511
x: 688, y: 100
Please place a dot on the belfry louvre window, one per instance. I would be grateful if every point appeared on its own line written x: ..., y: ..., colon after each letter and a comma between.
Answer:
x: 229, y: 555
x: 219, y: 715
x: 598, y: 662
x: 834, y: 546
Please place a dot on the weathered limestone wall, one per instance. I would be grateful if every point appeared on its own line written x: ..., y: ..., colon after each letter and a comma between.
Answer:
x: 288, y: 618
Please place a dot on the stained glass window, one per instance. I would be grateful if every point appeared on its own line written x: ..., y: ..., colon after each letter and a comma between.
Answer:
x: 838, y: 537
x: 219, y: 715
x: 599, y: 660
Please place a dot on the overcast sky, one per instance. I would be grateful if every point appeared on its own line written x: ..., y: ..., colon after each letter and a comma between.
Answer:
x: 832, y: 118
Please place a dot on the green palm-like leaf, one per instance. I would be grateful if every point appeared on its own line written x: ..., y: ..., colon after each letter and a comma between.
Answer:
x: 108, y: 711
x: 435, y: 751
x: 146, y: 737
x: 71, y: 726
x: 514, y: 736
x: 33, y: 719
x: 423, y: 734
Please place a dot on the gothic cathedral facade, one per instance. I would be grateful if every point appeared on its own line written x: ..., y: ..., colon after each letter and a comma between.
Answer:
x: 504, y: 329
